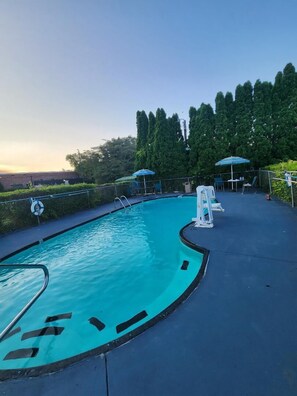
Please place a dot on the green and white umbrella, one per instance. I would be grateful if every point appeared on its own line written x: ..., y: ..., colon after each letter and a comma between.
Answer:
x: 125, y: 179
x: 232, y: 161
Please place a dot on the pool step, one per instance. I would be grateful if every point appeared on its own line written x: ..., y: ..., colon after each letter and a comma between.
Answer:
x: 185, y: 265
x: 123, y: 326
x: 97, y: 323
x: 22, y: 353
x: 67, y: 315
x: 45, y: 331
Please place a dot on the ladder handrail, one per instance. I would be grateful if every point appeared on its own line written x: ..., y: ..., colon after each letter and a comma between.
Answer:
x: 31, y: 302
x: 119, y: 199
x: 124, y: 196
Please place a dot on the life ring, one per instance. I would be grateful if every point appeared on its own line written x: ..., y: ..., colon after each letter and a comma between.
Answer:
x: 37, y: 208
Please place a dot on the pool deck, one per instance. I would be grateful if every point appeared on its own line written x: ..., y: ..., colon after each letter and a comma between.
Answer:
x: 236, y: 335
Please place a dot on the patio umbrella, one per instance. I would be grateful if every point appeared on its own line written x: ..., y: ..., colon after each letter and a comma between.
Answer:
x: 125, y: 179
x: 232, y: 161
x: 144, y: 172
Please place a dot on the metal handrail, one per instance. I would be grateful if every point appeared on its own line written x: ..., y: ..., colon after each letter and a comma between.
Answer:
x: 119, y: 199
x: 31, y: 302
x: 124, y: 196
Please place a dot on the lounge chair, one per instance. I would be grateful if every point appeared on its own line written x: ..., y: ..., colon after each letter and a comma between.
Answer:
x: 250, y: 185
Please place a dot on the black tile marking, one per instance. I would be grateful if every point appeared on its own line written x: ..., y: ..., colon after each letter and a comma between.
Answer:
x: 22, y: 353
x: 57, y: 317
x: 97, y: 323
x: 11, y: 333
x: 185, y: 265
x: 43, y: 332
x: 123, y: 326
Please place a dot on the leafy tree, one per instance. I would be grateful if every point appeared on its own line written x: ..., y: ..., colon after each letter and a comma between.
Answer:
x: 105, y: 163
x: 84, y: 163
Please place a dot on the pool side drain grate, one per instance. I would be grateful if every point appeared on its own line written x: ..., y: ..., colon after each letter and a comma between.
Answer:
x: 123, y: 326
x: 58, y: 317
x: 185, y: 265
x: 22, y: 353
x: 45, y: 331
x: 97, y: 323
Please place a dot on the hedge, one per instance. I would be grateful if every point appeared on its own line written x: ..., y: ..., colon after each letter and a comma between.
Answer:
x: 58, y: 201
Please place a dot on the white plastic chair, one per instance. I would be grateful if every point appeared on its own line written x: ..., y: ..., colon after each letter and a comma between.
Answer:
x: 250, y: 185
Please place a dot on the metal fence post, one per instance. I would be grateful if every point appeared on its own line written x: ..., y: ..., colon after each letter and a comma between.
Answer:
x: 292, y: 195
x: 269, y: 181
x: 88, y: 196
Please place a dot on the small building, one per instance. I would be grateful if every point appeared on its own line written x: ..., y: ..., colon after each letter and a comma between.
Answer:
x: 12, y: 181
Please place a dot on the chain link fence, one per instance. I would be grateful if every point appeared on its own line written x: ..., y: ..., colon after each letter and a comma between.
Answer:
x: 280, y: 184
x: 16, y: 214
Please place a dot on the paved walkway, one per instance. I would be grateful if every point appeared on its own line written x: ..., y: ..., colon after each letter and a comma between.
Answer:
x: 234, y: 336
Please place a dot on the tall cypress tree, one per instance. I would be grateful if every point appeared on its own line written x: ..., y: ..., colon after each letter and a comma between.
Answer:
x: 160, y: 145
x: 221, y: 127
x: 150, y: 141
x: 192, y: 140
x: 243, y: 119
x: 289, y: 113
x: 177, y: 153
x: 203, y: 141
x: 262, y: 127
x: 141, y: 141
x: 230, y: 113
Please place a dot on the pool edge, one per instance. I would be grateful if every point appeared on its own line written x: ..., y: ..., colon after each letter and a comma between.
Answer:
x: 10, y: 374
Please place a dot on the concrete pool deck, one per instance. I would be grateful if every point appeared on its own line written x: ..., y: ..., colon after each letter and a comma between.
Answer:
x: 235, y: 335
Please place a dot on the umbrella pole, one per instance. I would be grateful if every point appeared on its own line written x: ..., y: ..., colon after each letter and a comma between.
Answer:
x: 232, y: 174
x: 144, y: 185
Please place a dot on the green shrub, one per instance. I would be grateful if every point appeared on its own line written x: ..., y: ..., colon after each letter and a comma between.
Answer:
x: 58, y: 201
x: 280, y: 188
x: 283, y: 166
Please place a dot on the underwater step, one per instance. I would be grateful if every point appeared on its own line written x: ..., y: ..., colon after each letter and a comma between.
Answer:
x: 58, y: 317
x: 43, y: 332
x: 123, y: 326
x: 185, y: 265
x: 22, y: 353
x: 97, y: 323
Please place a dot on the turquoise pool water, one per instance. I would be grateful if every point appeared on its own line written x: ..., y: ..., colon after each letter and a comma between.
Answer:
x: 111, y: 269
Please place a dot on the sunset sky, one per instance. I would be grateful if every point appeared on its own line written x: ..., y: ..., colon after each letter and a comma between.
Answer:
x: 74, y: 72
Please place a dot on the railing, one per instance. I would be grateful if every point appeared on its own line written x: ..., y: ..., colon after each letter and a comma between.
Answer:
x: 32, y: 301
x: 279, y: 186
x: 118, y: 199
x: 126, y: 199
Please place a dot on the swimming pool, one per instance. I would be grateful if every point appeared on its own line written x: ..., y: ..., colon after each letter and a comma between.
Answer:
x: 110, y: 279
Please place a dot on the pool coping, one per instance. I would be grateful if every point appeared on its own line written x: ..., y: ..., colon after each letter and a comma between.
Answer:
x: 10, y: 374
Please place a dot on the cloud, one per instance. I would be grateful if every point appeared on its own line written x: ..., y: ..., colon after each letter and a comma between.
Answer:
x: 11, y: 168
